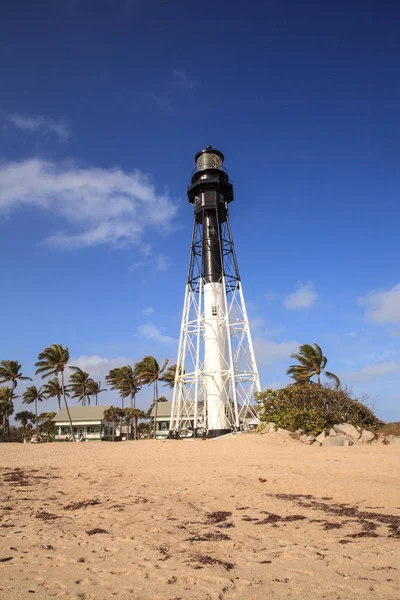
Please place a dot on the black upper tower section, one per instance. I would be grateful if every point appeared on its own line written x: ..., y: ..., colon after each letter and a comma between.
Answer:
x: 210, y: 188
x: 210, y: 192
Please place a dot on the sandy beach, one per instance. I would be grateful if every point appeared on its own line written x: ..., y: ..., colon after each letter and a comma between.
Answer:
x: 247, y: 517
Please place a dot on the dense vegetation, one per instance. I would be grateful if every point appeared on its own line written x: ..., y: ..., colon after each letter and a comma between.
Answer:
x: 53, y: 362
x: 313, y: 408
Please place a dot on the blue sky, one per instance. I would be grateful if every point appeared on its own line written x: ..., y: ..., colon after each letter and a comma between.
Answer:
x: 102, y: 107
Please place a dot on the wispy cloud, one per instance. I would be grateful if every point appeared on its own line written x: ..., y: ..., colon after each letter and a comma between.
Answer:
x: 303, y: 298
x: 99, y: 206
x: 150, y: 331
x: 149, y: 310
x: 182, y: 76
x: 382, y: 306
x: 166, y: 93
x: 159, y: 262
x: 371, y: 372
x: 39, y: 124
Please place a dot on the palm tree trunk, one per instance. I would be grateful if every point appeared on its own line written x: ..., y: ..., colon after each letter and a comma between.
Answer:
x: 156, y: 410
x: 131, y: 398
x: 96, y: 399
x: 66, y: 405
x: 135, y: 426
x: 113, y: 431
x: 319, y: 380
x: 36, y: 419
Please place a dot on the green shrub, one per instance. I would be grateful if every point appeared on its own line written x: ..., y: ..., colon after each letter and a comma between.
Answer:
x: 312, y: 408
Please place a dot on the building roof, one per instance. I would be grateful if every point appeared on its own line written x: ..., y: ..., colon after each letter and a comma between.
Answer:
x: 82, y: 413
x: 164, y: 410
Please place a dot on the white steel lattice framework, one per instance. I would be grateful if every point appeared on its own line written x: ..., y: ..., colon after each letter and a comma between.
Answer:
x: 216, y: 375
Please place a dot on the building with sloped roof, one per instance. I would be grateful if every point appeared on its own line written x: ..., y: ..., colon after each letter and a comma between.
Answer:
x: 87, y: 421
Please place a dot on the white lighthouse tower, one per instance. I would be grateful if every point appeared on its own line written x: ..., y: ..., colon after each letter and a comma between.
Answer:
x: 216, y: 374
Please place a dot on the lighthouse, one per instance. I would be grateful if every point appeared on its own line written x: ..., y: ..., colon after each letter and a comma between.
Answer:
x: 216, y: 374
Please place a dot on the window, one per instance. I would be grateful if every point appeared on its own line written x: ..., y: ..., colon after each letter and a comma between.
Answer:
x: 214, y: 310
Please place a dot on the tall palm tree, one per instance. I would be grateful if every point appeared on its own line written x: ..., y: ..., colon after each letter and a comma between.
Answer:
x: 53, y: 389
x: 52, y: 361
x: 95, y: 389
x: 80, y: 385
x: 10, y: 371
x: 25, y: 416
x: 32, y: 396
x: 6, y: 409
x: 312, y: 362
x: 148, y: 372
x: 169, y: 376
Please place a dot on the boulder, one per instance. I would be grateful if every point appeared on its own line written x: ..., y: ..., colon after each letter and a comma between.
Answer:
x: 286, y: 432
x: 320, y: 438
x: 347, y: 429
x: 307, y: 439
x: 332, y: 432
x: 336, y: 441
x: 367, y: 436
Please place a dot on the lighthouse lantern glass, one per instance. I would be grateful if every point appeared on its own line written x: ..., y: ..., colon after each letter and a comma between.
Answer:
x: 208, y: 160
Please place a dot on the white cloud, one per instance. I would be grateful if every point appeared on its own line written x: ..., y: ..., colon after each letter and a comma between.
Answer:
x: 267, y: 351
x: 150, y: 331
x: 100, y: 206
x: 382, y: 306
x: 370, y: 372
x: 148, y: 310
x: 304, y: 297
x: 40, y: 124
x: 98, y: 366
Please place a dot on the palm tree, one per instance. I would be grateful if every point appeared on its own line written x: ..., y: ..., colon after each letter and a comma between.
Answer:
x: 52, y: 361
x: 125, y: 381
x: 33, y: 395
x: 148, y: 372
x: 114, y: 380
x: 95, y: 389
x: 134, y: 414
x: 80, y: 385
x: 113, y: 415
x: 47, y: 427
x: 25, y: 416
x: 53, y: 389
x: 312, y: 362
x: 169, y: 376
x: 6, y: 409
x: 10, y: 370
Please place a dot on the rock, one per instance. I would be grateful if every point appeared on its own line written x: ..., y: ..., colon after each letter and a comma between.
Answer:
x: 307, y: 439
x: 393, y: 439
x: 286, y: 432
x: 320, y: 438
x: 336, y: 441
x: 366, y: 436
x: 347, y: 429
x: 332, y: 433
x: 269, y: 428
